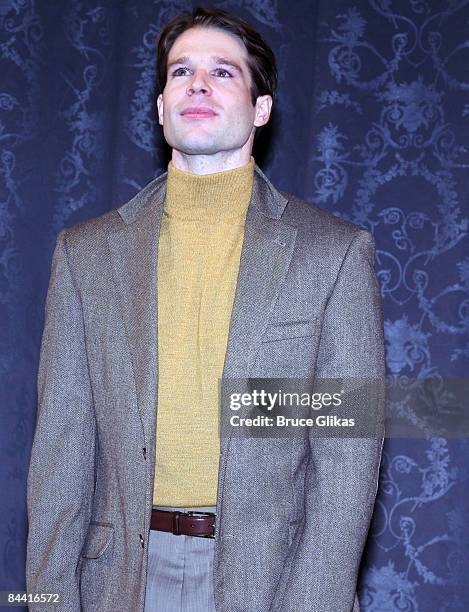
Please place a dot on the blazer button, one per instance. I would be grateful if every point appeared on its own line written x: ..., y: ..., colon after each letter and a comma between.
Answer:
x: 141, y: 540
x: 144, y: 450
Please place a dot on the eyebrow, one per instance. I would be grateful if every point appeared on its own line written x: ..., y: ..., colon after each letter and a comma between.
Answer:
x: 217, y: 59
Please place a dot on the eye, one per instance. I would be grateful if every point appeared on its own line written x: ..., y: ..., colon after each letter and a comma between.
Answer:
x: 225, y: 74
x: 177, y: 72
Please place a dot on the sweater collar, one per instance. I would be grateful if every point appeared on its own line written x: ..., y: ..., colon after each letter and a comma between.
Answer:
x: 218, y: 196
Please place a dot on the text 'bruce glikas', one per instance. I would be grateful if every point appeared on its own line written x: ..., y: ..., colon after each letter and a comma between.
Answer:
x: 270, y: 400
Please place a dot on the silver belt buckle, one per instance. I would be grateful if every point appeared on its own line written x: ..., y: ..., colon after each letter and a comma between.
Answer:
x: 197, y: 513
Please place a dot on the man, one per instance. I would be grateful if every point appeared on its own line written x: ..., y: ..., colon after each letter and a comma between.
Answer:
x: 209, y: 271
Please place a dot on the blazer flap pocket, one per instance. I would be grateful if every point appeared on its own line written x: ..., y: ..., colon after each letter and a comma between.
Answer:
x: 289, y: 329
x: 98, y: 538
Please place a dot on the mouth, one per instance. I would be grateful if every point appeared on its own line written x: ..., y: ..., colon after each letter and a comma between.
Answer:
x: 198, y: 113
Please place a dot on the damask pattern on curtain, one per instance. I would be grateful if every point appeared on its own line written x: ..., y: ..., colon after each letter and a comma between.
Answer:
x: 371, y: 123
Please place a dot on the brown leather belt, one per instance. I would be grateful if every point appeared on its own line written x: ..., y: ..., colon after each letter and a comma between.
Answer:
x: 199, y: 524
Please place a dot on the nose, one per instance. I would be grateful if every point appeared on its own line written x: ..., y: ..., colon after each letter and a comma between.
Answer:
x: 199, y: 84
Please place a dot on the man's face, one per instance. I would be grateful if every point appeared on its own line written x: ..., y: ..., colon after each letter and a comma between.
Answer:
x: 206, y: 105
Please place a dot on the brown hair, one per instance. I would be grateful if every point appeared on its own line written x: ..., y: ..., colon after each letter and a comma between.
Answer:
x: 261, y: 59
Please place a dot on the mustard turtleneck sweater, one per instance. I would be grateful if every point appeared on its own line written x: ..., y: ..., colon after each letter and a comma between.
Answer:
x: 198, y: 260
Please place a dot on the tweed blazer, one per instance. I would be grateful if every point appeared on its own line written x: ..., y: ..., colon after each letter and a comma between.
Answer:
x: 292, y: 512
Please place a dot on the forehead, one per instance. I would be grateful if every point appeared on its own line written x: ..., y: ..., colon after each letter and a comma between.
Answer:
x: 199, y: 42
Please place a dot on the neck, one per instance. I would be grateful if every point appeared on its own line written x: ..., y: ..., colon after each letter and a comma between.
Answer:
x: 215, y: 162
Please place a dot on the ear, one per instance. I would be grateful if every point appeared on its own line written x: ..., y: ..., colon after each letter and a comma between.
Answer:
x: 263, y: 109
x: 159, y: 104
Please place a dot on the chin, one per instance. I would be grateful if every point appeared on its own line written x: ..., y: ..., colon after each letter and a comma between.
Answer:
x: 197, y: 147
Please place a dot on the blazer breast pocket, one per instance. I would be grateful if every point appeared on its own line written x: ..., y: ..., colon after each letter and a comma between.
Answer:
x: 285, y: 330
x: 287, y: 349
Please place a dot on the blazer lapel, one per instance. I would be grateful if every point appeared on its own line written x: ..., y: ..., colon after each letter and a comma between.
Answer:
x: 266, y: 253
x: 134, y: 251
x: 265, y: 257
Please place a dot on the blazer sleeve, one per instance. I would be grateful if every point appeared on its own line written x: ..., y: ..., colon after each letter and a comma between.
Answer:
x: 61, y: 475
x: 342, y: 473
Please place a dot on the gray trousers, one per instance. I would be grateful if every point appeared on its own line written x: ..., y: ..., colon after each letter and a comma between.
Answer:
x: 180, y: 571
